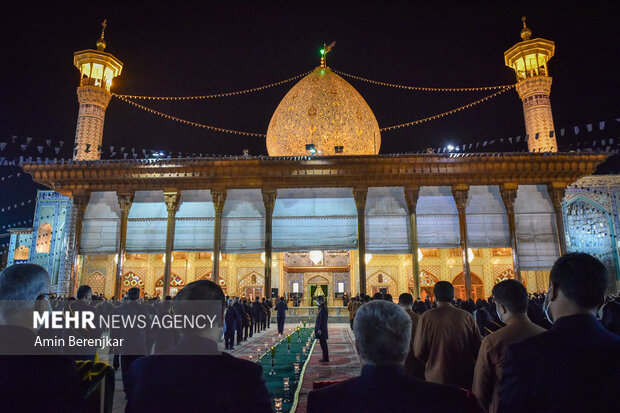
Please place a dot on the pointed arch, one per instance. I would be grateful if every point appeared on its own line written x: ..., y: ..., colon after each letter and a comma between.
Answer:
x: 252, y: 279
x: 96, y: 280
x: 131, y: 280
x: 206, y: 276
x: 380, y: 281
x: 44, y: 238
x: 508, y: 274
x: 251, y: 285
x: 477, y: 287
x: 318, y: 279
x: 175, y: 281
x: 427, y: 279
x: 22, y: 253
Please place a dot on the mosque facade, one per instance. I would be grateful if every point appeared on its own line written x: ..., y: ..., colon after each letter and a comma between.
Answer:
x: 324, y: 213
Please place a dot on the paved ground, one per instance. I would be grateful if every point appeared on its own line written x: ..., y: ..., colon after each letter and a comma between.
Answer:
x: 344, y: 362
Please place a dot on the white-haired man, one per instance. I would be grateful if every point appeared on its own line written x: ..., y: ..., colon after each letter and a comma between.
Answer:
x: 382, y: 338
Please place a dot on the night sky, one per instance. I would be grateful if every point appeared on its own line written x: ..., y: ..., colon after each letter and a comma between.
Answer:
x: 190, y: 48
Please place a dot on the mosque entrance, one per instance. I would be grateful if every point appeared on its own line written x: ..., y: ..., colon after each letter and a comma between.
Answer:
x: 252, y: 292
x: 317, y: 290
x: 427, y: 292
x: 382, y: 290
x: 477, y: 290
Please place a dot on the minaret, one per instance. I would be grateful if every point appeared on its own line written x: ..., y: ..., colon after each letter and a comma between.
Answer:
x: 97, y: 69
x: 529, y: 60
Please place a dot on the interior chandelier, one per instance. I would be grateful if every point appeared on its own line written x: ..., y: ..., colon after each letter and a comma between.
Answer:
x: 316, y: 257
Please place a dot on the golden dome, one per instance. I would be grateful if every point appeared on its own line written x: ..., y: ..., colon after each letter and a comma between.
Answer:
x: 324, y: 110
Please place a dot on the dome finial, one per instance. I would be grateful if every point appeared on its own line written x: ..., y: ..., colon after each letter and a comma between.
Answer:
x: 526, y: 33
x: 324, y: 51
x: 101, y: 44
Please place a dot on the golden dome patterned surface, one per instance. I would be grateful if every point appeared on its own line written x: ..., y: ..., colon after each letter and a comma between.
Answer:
x: 324, y: 110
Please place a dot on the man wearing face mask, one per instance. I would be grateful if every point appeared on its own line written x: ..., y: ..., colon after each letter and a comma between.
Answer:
x: 575, y: 366
x: 511, y: 303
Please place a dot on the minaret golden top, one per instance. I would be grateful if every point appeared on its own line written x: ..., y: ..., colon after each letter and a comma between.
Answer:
x: 97, y: 67
x: 528, y: 58
x: 526, y: 33
x: 101, y: 44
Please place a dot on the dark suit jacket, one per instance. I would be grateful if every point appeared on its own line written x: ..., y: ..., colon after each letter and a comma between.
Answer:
x: 230, y: 317
x: 219, y: 383
x: 136, y: 341
x: 258, y: 311
x: 240, y: 313
x: 387, y: 389
x: 34, y: 383
x: 76, y: 306
x: 573, y: 367
x: 247, y: 317
x: 281, y: 308
x: 321, y: 323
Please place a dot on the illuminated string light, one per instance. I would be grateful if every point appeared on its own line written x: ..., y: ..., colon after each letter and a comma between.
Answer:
x: 421, y: 88
x: 187, y: 122
x: 262, y: 135
x: 217, y: 95
x: 450, y: 112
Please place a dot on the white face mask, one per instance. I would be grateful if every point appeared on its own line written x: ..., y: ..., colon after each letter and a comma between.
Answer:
x: 499, y: 315
x: 546, y: 306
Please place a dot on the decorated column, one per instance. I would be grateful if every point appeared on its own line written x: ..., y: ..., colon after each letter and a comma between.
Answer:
x: 219, y: 198
x: 509, y: 195
x: 172, y: 199
x: 556, y: 193
x: 460, y: 193
x: 359, y: 195
x: 269, y: 199
x: 80, y: 202
x: 411, y: 197
x: 124, y: 201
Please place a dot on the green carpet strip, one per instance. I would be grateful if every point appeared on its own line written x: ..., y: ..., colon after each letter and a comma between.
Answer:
x: 284, y: 367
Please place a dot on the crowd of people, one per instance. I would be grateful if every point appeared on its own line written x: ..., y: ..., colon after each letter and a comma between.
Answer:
x: 557, y: 351
x: 245, y: 317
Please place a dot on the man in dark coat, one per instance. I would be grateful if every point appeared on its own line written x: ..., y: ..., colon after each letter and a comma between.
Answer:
x: 268, y: 306
x: 136, y: 341
x: 263, y: 319
x: 30, y: 381
x: 320, y: 327
x: 412, y: 367
x: 247, y: 319
x: 240, y: 316
x: 281, y: 309
x: 382, y: 335
x: 231, y: 325
x: 257, y: 308
x: 84, y: 296
x: 511, y: 298
x: 193, y: 376
x: 575, y: 366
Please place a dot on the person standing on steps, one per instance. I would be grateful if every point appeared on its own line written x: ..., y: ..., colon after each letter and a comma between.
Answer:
x: 320, y: 328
